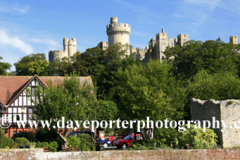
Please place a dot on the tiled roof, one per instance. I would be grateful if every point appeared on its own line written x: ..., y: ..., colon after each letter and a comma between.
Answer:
x: 10, y: 86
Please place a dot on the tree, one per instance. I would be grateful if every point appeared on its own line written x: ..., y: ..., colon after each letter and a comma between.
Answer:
x: 68, y: 100
x: 108, y: 79
x: 4, y: 66
x: 32, y: 64
x: 60, y: 67
x: 212, y: 56
x: 150, y: 91
x: 218, y: 86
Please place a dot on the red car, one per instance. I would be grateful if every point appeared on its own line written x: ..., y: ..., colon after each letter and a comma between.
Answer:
x: 125, y: 142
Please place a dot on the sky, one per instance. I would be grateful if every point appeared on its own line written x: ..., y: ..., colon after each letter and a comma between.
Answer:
x: 38, y: 26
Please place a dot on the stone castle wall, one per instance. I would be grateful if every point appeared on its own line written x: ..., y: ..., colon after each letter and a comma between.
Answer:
x: 227, y: 111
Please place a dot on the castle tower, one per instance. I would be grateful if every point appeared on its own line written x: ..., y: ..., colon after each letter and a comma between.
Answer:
x: 74, y: 45
x: 65, y: 44
x: 161, y: 44
x: 69, y: 48
x: 118, y: 33
x: 234, y: 39
x: 182, y: 38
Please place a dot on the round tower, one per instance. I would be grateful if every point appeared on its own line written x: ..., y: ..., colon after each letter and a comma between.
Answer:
x: 74, y: 45
x: 118, y: 33
x: 70, y: 48
x: 65, y: 44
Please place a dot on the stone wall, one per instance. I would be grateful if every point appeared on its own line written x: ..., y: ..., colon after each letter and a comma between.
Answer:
x: 227, y: 111
x: 38, y: 154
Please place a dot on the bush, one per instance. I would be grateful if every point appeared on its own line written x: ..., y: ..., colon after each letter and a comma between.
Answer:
x: 85, y: 142
x: 41, y: 144
x: 73, y: 141
x: 195, y: 138
x: 48, y: 136
x: 22, y: 141
x: 53, y: 146
x: 28, y: 135
x: 5, y: 142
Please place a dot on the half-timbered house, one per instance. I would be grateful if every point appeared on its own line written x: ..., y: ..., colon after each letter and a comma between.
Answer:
x: 15, y: 103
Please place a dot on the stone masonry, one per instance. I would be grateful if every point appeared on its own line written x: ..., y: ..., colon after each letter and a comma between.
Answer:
x: 227, y: 111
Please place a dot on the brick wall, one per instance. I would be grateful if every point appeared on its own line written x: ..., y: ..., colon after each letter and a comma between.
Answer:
x: 197, y: 154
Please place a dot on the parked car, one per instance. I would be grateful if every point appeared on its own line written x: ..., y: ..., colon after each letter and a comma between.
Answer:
x: 125, y: 142
x: 106, y: 143
x: 75, y: 133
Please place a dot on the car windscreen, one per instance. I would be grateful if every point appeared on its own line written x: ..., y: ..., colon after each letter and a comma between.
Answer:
x: 127, y: 137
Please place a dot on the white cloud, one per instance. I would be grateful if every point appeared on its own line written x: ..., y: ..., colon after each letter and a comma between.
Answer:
x: 14, y: 8
x: 45, y: 41
x: 15, y: 42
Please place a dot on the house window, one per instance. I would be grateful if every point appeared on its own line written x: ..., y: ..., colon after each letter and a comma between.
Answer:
x: 30, y: 113
x: 13, y: 133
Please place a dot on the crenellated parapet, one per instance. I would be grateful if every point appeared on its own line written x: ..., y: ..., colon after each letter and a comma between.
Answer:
x: 118, y: 33
x: 69, y: 48
x: 234, y: 39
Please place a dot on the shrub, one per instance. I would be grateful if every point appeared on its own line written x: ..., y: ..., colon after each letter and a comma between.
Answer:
x: 22, y: 141
x: 53, y: 146
x: 85, y: 142
x: 5, y: 142
x: 195, y: 138
x: 73, y: 141
x: 28, y: 135
x: 45, y: 135
x: 41, y: 144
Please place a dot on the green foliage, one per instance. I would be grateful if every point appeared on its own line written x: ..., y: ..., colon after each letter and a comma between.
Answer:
x: 148, y: 145
x: 150, y: 91
x: 195, y: 138
x: 46, y: 135
x: 5, y: 142
x: 74, y: 141
x: 107, y: 110
x: 212, y: 56
x: 32, y: 64
x: 85, y: 142
x: 69, y: 100
x: 60, y: 67
x: 42, y: 144
x: 108, y: 78
x: 28, y: 135
x: 22, y: 141
x: 53, y: 146
x: 4, y: 66
x: 219, y: 86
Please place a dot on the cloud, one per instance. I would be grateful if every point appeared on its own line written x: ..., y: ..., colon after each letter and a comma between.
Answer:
x: 15, y: 42
x: 45, y: 41
x: 7, y: 7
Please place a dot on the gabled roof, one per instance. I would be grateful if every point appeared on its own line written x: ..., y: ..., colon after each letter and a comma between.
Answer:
x: 11, y: 86
x: 1, y: 105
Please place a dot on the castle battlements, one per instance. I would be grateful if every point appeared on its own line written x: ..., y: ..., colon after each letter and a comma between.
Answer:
x: 69, y: 48
x: 114, y: 28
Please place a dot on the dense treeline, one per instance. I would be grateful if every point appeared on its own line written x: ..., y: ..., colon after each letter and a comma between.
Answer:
x: 160, y: 90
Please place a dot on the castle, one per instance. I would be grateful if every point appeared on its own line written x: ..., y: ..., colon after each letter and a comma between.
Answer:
x: 120, y: 33
x: 69, y: 48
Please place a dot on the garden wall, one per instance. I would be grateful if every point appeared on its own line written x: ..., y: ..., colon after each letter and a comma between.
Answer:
x: 197, y: 154
x: 227, y: 111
